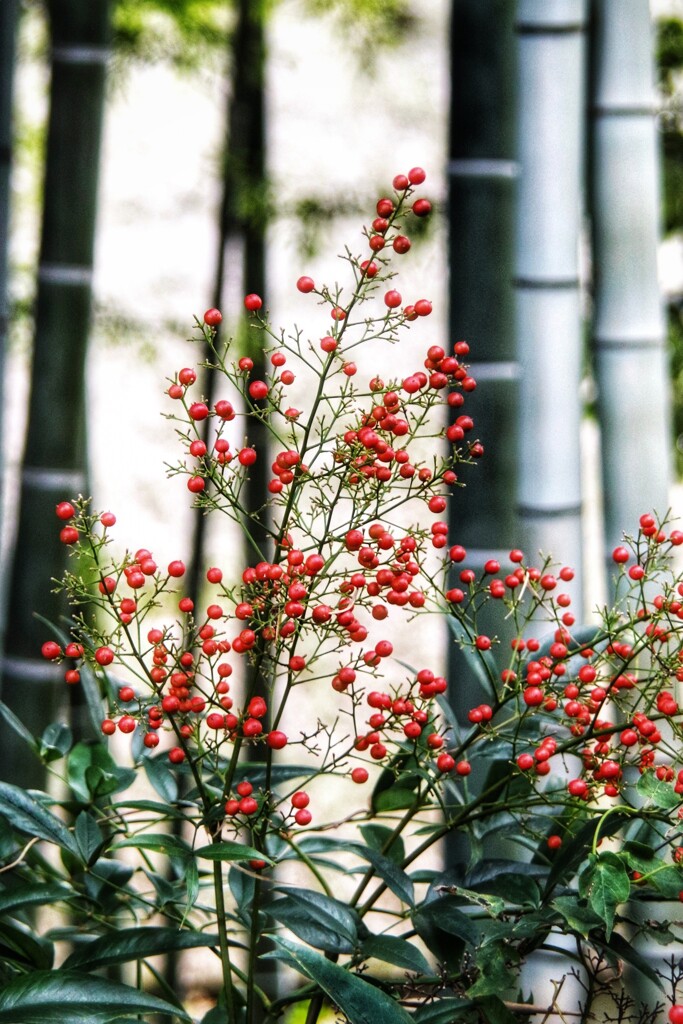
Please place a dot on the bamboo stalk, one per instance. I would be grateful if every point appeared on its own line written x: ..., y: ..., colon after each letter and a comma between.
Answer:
x: 54, y: 463
x: 629, y: 331
x: 551, y: 61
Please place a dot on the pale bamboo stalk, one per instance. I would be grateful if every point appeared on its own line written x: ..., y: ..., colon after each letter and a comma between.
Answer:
x: 629, y: 331
x: 549, y: 328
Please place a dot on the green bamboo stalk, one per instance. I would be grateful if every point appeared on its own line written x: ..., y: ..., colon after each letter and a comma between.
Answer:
x: 54, y: 463
x: 551, y: 61
x: 629, y: 330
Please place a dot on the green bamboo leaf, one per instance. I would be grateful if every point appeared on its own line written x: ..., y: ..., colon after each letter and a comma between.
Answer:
x: 55, y: 742
x: 67, y: 997
x: 134, y: 944
x: 18, y: 726
x: 89, y: 838
x: 574, y: 850
x: 92, y: 772
x: 604, y: 882
x: 171, y: 846
x: 391, y: 874
x: 581, y: 918
x: 494, y: 1010
x: 393, y: 950
x: 27, y: 815
x: 377, y: 836
x: 445, y: 914
x: 230, y: 851
x: 362, y: 1002
x: 625, y: 951
x: 19, y: 946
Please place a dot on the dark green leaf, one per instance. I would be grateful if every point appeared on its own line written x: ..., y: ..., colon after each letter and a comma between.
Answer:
x: 20, y: 946
x: 18, y: 727
x: 134, y: 944
x: 575, y: 849
x: 494, y: 1010
x: 55, y: 742
x: 314, y: 929
x: 27, y: 815
x: 446, y: 915
x: 393, y: 950
x: 33, y: 894
x: 395, y: 877
x: 66, y: 997
x: 88, y: 837
x: 242, y: 887
x: 161, y: 777
x: 604, y: 882
x: 362, y: 1002
x: 495, y: 975
x: 230, y: 851
x: 327, y: 912
x: 92, y: 772
x: 625, y: 951
x: 444, y: 1011
x: 396, y: 798
x: 578, y: 915
x: 377, y: 836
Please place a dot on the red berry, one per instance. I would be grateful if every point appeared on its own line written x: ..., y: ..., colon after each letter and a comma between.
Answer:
x: 68, y: 535
x: 369, y: 268
x: 423, y: 307
x: 554, y: 842
x: 176, y: 755
x: 127, y: 724
x: 176, y: 568
x: 300, y: 799
x: 385, y: 207
x: 400, y: 183
x: 359, y: 775
x: 50, y: 650
x: 416, y: 176
x: 108, y: 519
x: 463, y: 768
x: 676, y: 1013
x: 213, y: 317
x: 258, y: 390
x: 214, y: 575
x: 392, y: 299
x: 276, y: 740
x: 252, y: 302
x: 305, y: 284
x: 620, y: 555
x: 303, y: 817
x: 104, y: 655
x: 401, y: 244
x: 445, y: 763
x: 422, y: 207
x: 65, y: 510
x: 246, y: 457
x: 108, y: 727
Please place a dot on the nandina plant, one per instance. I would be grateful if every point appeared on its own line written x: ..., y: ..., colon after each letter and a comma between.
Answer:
x: 571, y: 757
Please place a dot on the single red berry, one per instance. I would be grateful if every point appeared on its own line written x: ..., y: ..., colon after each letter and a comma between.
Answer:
x: 620, y: 555
x: 127, y: 724
x: 126, y: 693
x: 359, y: 775
x: 303, y: 817
x: 252, y: 302
x: 445, y: 763
x: 50, y: 650
x: 392, y: 299
x: 258, y: 390
x: 213, y: 317
x: 108, y: 519
x: 482, y: 643
x: 196, y: 485
x: 554, y: 842
x: 300, y: 799
x: 328, y: 344
x: 369, y: 268
x: 401, y: 244
x: 385, y: 207
x: 400, y: 183
x: 108, y: 727
x: 176, y: 568
x: 68, y: 535
x: 104, y: 655
x: 276, y: 739
x: 246, y: 457
x: 187, y: 376
x: 422, y: 207
x: 214, y: 575
x: 416, y: 176
x: 423, y: 307
x: 463, y: 768
x: 198, y: 411
x: 176, y: 755
x: 676, y: 1013
x: 65, y: 510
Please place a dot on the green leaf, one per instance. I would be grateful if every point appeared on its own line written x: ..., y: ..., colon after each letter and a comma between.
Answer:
x: 444, y: 1011
x: 55, y: 742
x: 575, y: 849
x: 361, y: 1002
x: 89, y: 838
x: 134, y: 944
x: 605, y: 883
x: 377, y: 836
x: 495, y: 975
x: 306, y: 909
x: 659, y: 793
x: 27, y: 815
x: 445, y: 914
x: 578, y: 915
x: 494, y: 1010
x: 18, y: 727
x: 242, y: 887
x: 92, y: 772
x: 33, y: 894
x: 173, y: 847
x: 161, y: 777
x: 18, y: 945
x: 66, y: 997
x: 624, y: 950
x: 395, y: 877
x: 230, y: 851
x: 393, y: 950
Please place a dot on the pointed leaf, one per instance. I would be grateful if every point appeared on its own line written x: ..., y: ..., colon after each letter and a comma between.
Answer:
x: 134, y: 944
x: 27, y: 815
x: 161, y: 777
x: 66, y: 997
x: 361, y: 1002
x: 89, y: 838
x: 327, y: 911
x: 444, y: 1011
x: 18, y: 727
x: 446, y: 915
x: 575, y: 849
x: 399, y: 952
x: 395, y: 877
x: 55, y: 742
x: 377, y: 836
x: 660, y: 793
x: 230, y: 851
x: 625, y: 951
x: 605, y: 883
x: 313, y: 929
